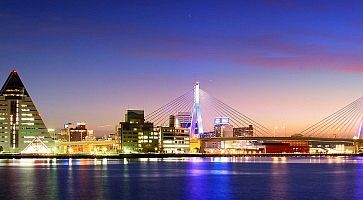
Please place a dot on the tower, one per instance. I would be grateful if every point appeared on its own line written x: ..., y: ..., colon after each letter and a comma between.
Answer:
x: 359, y: 132
x: 197, y: 125
x: 21, y: 126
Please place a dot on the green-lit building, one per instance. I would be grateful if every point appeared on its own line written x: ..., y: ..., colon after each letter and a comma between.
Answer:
x: 22, y: 129
x: 137, y: 135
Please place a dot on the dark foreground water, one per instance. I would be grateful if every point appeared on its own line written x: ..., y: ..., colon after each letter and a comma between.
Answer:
x: 190, y: 178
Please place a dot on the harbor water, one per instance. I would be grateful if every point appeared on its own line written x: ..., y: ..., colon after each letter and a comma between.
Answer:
x: 183, y: 178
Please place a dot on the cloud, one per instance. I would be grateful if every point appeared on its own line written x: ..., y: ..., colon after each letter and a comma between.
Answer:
x: 287, y: 49
x: 274, y: 51
x: 352, y: 69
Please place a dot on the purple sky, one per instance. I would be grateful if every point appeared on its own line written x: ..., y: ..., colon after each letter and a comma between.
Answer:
x: 279, y: 62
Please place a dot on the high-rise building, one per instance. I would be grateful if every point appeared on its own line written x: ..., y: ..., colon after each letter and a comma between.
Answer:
x: 22, y: 129
x: 137, y: 135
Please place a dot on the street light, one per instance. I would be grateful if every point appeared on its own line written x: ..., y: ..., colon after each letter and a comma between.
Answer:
x: 284, y: 127
x: 356, y: 144
x: 275, y: 128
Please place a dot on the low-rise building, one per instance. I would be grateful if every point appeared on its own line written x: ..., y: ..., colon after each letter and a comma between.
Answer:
x: 95, y: 147
x: 174, y: 139
x: 243, y: 131
x: 75, y: 132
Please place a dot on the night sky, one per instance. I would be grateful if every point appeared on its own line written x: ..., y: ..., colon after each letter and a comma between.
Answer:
x: 279, y: 62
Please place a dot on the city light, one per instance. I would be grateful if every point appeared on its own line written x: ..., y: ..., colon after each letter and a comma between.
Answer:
x: 183, y: 99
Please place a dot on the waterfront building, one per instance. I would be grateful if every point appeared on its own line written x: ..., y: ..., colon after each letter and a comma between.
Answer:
x: 208, y: 134
x: 22, y: 129
x: 63, y: 135
x: 222, y: 128
x: 174, y: 139
x: 194, y: 145
x: 136, y: 135
x: 75, y: 132
x: 110, y: 136
x: 52, y: 133
x: 243, y: 131
x: 286, y: 147
x: 221, y: 121
x: 183, y: 119
x: 94, y: 147
x: 331, y: 147
x: 231, y: 147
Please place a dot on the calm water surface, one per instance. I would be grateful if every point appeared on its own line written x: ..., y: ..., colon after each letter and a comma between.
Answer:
x: 189, y: 178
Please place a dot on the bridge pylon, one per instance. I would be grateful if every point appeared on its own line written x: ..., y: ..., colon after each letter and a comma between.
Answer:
x: 197, y: 123
x: 195, y: 102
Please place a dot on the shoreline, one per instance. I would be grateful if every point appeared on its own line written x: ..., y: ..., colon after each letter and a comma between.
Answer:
x: 135, y: 156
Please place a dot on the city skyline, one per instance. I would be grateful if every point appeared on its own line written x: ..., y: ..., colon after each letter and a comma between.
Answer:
x: 278, y: 130
x: 161, y: 99
x: 89, y: 65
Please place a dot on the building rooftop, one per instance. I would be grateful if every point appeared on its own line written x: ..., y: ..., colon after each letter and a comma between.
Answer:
x: 13, y: 83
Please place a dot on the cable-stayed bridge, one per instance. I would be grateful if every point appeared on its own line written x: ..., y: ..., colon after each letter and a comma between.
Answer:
x: 203, y: 108
x: 343, y: 125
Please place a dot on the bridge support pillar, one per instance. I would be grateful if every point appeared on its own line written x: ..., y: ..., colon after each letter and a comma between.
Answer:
x: 197, y: 125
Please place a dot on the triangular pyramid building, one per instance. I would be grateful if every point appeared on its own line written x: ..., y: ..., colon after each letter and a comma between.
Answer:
x: 36, y: 146
x: 20, y: 122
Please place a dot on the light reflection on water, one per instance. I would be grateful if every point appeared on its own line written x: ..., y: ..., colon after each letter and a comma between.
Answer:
x: 183, y: 178
x: 105, y: 161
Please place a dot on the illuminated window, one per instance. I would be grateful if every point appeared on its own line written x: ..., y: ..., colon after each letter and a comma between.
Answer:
x: 27, y: 119
x: 27, y: 123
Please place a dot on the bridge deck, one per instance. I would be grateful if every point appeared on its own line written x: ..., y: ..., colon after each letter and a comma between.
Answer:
x: 283, y: 139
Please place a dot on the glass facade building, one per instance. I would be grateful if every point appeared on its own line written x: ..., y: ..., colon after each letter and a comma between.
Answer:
x: 21, y: 126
